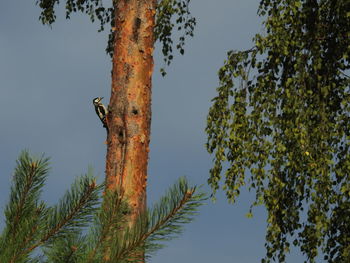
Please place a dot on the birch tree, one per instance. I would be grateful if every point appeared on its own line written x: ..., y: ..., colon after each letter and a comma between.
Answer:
x: 280, y: 125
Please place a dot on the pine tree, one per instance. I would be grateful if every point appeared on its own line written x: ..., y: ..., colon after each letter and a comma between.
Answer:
x: 81, y: 228
x: 135, y: 26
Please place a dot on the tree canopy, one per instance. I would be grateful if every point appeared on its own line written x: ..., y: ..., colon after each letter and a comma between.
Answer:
x: 280, y: 125
x: 170, y: 14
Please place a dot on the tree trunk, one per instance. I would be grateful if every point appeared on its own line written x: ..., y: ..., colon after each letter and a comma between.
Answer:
x: 129, y: 116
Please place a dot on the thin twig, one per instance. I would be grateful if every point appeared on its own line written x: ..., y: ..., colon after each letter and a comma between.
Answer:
x: 341, y: 72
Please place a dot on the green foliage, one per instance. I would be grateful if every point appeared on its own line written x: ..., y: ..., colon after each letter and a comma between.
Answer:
x: 285, y: 130
x: 179, y: 206
x: 74, y: 211
x: 69, y: 249
x: 169, y: 13
x: 30, y: 223
x: 77, y: 229
x: 24, y: 213
x: 163, y: 222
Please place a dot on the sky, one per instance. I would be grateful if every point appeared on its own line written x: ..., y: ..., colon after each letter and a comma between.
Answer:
x: 48, y: 78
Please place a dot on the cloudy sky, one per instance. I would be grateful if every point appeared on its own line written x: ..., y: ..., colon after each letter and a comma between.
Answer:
x: 48, y: 78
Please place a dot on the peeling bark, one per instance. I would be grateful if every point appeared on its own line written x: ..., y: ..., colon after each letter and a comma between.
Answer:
x: 129, y: 116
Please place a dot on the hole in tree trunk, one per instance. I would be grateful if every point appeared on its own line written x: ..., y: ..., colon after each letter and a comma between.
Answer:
x: 135, y: 111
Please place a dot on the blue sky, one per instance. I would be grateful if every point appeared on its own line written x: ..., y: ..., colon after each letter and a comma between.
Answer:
x: 49, y: 78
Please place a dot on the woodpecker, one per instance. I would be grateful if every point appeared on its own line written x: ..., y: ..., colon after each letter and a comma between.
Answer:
x: 101, y: 110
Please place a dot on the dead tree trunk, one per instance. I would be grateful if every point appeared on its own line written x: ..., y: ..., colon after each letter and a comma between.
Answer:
x: 129, y: 117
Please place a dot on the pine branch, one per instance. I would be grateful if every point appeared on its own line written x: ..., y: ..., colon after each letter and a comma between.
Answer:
x: 23, y: 197
x: 73, y: 212
x: 172, y: 225
x: 30, y: 224
x: 109, y: 221
x: 23, y: 214
x: 29, y: 178
x: 70, y: 249
x: 165, y: 220
x: 187, y: 196
x: 58, y: 229
x: 32, y: 235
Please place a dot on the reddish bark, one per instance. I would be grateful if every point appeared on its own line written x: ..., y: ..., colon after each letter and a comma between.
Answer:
x: 129, y: 116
